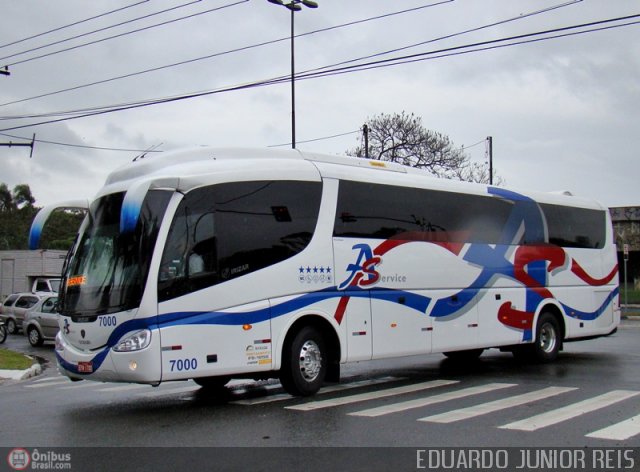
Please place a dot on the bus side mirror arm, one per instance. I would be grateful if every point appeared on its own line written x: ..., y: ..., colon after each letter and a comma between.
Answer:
x: 43, y: 215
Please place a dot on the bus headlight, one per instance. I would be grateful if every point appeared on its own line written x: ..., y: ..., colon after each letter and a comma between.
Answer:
x: 134, y: 342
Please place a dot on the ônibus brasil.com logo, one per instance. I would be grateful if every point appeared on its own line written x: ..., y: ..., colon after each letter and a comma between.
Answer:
x: 19, y: 459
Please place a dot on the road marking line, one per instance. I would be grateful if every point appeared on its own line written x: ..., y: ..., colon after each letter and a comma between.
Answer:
x: 323, y: 390
x: 571, y: 411
x: 420, y: 402
x: 371, y: 395
x: 49, y: 379
x: 122, y: 388
x: 85, y: 384
x: 239, y: 391
x: 490, y: 407
x: 49, y: 384
x: 172, y: 391
x: 619, y: 431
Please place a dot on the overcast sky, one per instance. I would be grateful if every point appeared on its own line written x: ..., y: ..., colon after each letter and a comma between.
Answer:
x: 563, y: 113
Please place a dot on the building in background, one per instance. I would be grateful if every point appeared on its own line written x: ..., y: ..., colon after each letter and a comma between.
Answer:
x: 626, y: 227
x: 26, y: 271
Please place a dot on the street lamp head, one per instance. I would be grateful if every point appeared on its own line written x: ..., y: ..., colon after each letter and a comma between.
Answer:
x: 294, y: 5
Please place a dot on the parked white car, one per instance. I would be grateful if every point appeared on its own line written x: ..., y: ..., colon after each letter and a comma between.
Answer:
x: 41, y: 321
x: 15, y: 307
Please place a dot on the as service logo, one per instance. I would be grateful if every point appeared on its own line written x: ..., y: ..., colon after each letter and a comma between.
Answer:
x: 363, y: 273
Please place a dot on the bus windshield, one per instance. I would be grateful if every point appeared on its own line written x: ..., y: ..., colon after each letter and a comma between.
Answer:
x: 108, y: 269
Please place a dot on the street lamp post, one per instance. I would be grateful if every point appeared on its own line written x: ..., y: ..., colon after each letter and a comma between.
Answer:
x: 293, y: 6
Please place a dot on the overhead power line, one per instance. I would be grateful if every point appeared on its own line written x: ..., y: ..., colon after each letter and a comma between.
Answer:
x: 227, y: 52
x: 324, y: 138
x: 464, y: 148
x: 72, y: 24
x: 428, y: 55
x: 106, y: 148
x: 29, y: 145
x: 479, y: 47
x: 460, y: 33
x: 82, y: 146
x: 126, y: 33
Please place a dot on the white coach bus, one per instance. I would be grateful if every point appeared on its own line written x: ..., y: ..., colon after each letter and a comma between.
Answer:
x: 213, y: 264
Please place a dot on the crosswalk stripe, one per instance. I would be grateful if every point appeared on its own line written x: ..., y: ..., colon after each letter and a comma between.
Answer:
x: 619, y: 431
x: 333, y: 388
x: 371, y: 395
x: 420, y: 402
x: 571, y: 411
x: 490, y: 407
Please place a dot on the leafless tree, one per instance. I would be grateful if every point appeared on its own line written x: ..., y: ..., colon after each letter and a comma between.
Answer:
x: 402, y: 138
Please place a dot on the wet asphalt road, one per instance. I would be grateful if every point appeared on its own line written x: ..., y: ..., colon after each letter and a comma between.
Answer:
x: 377, y: 404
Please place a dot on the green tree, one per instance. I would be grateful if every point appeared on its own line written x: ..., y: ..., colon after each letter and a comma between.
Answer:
x: 402, y: 138
x: 22, y: 196
x: 6, y: 198
x: 17, y: 212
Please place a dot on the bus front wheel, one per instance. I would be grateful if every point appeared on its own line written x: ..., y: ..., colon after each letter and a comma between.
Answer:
x: 304, y: 363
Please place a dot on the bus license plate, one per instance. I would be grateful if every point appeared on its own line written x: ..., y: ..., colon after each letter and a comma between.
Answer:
x: 85, y: 367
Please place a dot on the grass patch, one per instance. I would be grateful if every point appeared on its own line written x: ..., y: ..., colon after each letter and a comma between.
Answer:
x: 632, y: 295
x: 10, y: 360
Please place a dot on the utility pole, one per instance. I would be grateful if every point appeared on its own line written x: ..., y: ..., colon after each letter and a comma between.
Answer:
x: 365, y: 131
x: 490, y: 141
x: 31, y: 144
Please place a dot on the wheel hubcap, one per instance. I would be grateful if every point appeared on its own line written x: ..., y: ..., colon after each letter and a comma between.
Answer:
x: 310, y: 360
x: 548, y: 338
x: 34, y: 336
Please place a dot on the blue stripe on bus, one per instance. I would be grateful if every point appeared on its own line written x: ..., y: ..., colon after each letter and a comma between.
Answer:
x: 590, y: 315
x: 444, y: 307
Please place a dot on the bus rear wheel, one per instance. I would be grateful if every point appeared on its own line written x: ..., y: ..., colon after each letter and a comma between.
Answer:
x: 304, y: 363
x: 548, y: 339
x: 547, y: 344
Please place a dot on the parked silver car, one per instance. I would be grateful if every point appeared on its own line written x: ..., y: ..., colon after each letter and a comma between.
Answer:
x: 41, y: 321
x: 14, y: 308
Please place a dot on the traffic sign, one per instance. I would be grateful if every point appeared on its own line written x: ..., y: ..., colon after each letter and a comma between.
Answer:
x: 625, y: 250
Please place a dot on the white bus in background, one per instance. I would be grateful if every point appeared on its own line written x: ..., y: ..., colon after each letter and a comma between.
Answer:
x: 213, y: 264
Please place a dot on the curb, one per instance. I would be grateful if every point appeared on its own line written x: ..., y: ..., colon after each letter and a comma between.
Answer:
x: 32, y: 371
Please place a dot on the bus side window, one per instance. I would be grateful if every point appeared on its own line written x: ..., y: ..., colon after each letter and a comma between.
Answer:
x: 228, y: 230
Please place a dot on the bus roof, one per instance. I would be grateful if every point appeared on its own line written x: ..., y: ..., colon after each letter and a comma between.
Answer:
x: 189, y: 168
